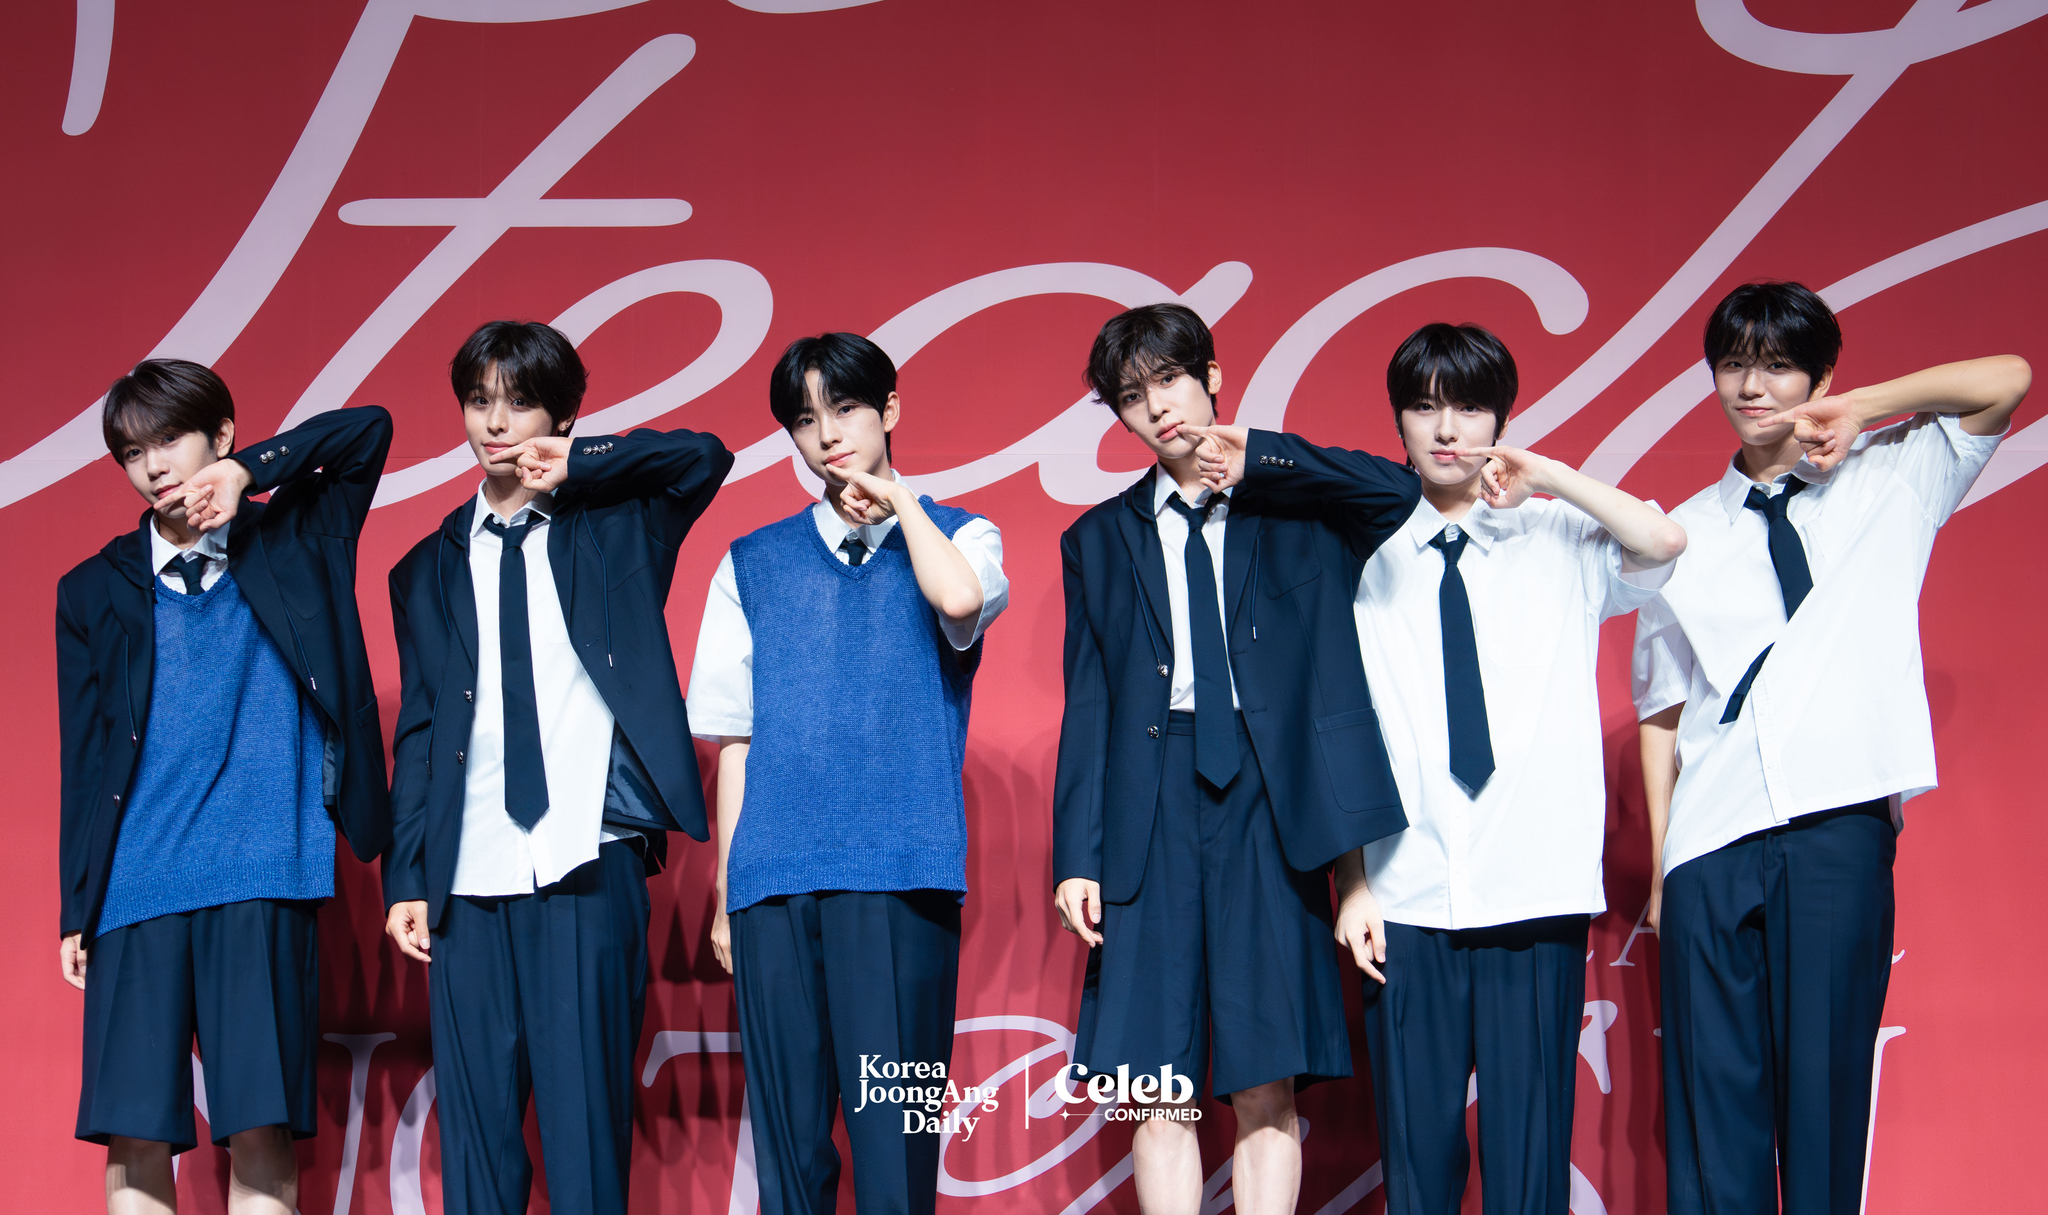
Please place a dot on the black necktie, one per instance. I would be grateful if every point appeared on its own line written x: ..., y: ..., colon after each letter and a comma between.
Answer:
x: 1795, y: 577
x: 526, y: 774
x: 1215, y: 715
x: 856, y: 552
x: 1464, y: 694
x: 192, y: 568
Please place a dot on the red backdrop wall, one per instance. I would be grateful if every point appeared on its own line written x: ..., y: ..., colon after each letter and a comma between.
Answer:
x: 322, y: 199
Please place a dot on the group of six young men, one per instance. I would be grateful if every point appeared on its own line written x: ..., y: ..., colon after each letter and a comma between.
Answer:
x: 1283, y: 663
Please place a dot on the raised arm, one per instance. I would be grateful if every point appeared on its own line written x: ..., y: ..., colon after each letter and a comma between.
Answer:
x: 944, y: 574
x: 677, y: 471
x: 1649, y: 537
x: 1369, y: 495
x: 1982, y: 393
x: 324, y: 470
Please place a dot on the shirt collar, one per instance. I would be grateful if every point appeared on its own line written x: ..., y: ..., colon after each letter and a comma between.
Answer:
x: 542, y: 505
x: 212, y: 545
x: 1164, y: 487
x: 1733, y: 490
x: 1483, y: 523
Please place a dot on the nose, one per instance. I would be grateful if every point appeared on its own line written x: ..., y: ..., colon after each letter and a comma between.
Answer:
x: 499, y: 419
x: 828, y: 430
x: 1446, y: 426
x: 1753, y: 383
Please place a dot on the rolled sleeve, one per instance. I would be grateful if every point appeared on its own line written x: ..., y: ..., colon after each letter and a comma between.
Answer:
x: 721, y: 702
x: 981, y: 542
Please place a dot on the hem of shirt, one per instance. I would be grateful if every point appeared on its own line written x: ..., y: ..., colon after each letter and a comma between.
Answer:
x: 745, y: 890
x: 743, y: 730
x: 1833, y: 802
x: 1541, y: 912
x: 270, y: 896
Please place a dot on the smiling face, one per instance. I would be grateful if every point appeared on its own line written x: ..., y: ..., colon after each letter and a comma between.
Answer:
x: 1156, y: 405
x: 1430, y: 429
x: 497, y: 417
x: 156, y: 467
x: 840, y: 436
x: 1755, y: 386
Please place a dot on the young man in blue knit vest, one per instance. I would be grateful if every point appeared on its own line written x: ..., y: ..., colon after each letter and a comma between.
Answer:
x: 1219, y: 750
x: 834, y: 669
x: 542, y: 753
x: 218, y: 722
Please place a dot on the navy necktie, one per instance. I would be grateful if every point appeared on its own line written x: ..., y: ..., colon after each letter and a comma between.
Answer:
x: 1215, y: 715
x: 526, y: 775
x: 192, y: 568
x: 855, y: 549
x: 1788, y: 558
x: 1464, y: 694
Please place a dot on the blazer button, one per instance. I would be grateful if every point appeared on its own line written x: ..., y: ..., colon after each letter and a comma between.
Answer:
x: 284, y: 451
x: 468, y: 694
x: 1152, y: 731
x: 459, y: 758
x: 1165, y: 670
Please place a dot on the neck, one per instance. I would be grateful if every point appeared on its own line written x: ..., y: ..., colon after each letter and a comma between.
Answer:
x: 505, y: 495
x: 177, y: 532
x: 1765, y: 463
x: 1186, y: 472
x: 1453, y: 502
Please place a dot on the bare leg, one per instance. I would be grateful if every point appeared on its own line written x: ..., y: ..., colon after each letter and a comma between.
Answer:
x: 1167, y: 1166
x: 264, y: 1179
x: 139, y: 1178
x: 1266, y: 1168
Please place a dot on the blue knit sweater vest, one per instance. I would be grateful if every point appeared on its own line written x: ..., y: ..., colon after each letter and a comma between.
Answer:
x: 225, y: 804
x: 860, y: 721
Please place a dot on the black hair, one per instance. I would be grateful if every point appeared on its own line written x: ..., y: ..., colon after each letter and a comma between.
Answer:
x: 1775, y: 320
x: 849, y: 367
x: 532, y: 360
x: 1135, y: 345
x: 1453, y: 365
x: 161, y: 400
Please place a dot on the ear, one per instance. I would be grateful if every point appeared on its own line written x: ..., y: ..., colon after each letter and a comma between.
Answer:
x: 892, y: 409
x: 1215, y: 382
x: 224, y: 438
x: 562, y: 427
x: 1821, y: 386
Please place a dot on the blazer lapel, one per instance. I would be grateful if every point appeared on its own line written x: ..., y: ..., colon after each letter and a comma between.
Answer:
x: 135, y: 607
x: 1240, y: 544
x: 1140, y: 527
x: 458, y: 593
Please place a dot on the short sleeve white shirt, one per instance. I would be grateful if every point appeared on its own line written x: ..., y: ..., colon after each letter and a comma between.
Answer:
x: 721, y: 695
x: 1540, y: 579
x: 1838, y: 713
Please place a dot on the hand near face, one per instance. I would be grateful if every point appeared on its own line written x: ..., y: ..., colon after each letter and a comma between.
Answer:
x: 1220, y: 453
x: 867, y: 497
x: 1509, y: 475
x: 542, y: 462
x: 211, y: 496
x: 1825, y: 426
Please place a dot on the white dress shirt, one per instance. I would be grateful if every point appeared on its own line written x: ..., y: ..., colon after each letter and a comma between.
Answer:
x: 497, y: 856
x: 722, y: 676
x: 1838, y: 714
x: 211, y: 545
x: 1173, y: 540
x: 1540, y: 578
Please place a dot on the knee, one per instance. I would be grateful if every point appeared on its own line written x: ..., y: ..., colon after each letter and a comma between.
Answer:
x: 1265, y: 1105
x: 133, y: 1153
x: 265, y: 1152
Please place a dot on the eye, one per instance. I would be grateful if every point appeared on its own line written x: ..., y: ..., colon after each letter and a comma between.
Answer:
x: 802, y: 422
x: 845, y: 408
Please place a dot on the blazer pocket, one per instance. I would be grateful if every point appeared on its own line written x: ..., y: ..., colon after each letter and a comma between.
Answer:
x: 1287, y: 558
x: 1355, y: 756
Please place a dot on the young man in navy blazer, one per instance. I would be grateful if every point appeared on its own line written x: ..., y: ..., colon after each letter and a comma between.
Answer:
x: 218, y: 722
x: 1219, y: 750
x: 542, y: 750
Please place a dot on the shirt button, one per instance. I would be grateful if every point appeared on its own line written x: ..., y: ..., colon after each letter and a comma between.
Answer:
x: 459, y: 758
x: 1152, y: 731
x: 1165, y: 670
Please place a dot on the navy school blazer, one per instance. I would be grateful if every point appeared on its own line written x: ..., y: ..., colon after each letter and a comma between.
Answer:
x: 619, y: 518
x: 295, y: 560
x: 1303, y: 522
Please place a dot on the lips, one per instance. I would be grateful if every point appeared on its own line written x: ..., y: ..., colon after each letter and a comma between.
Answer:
x: 1170, y: 433
x: 165, y: 490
